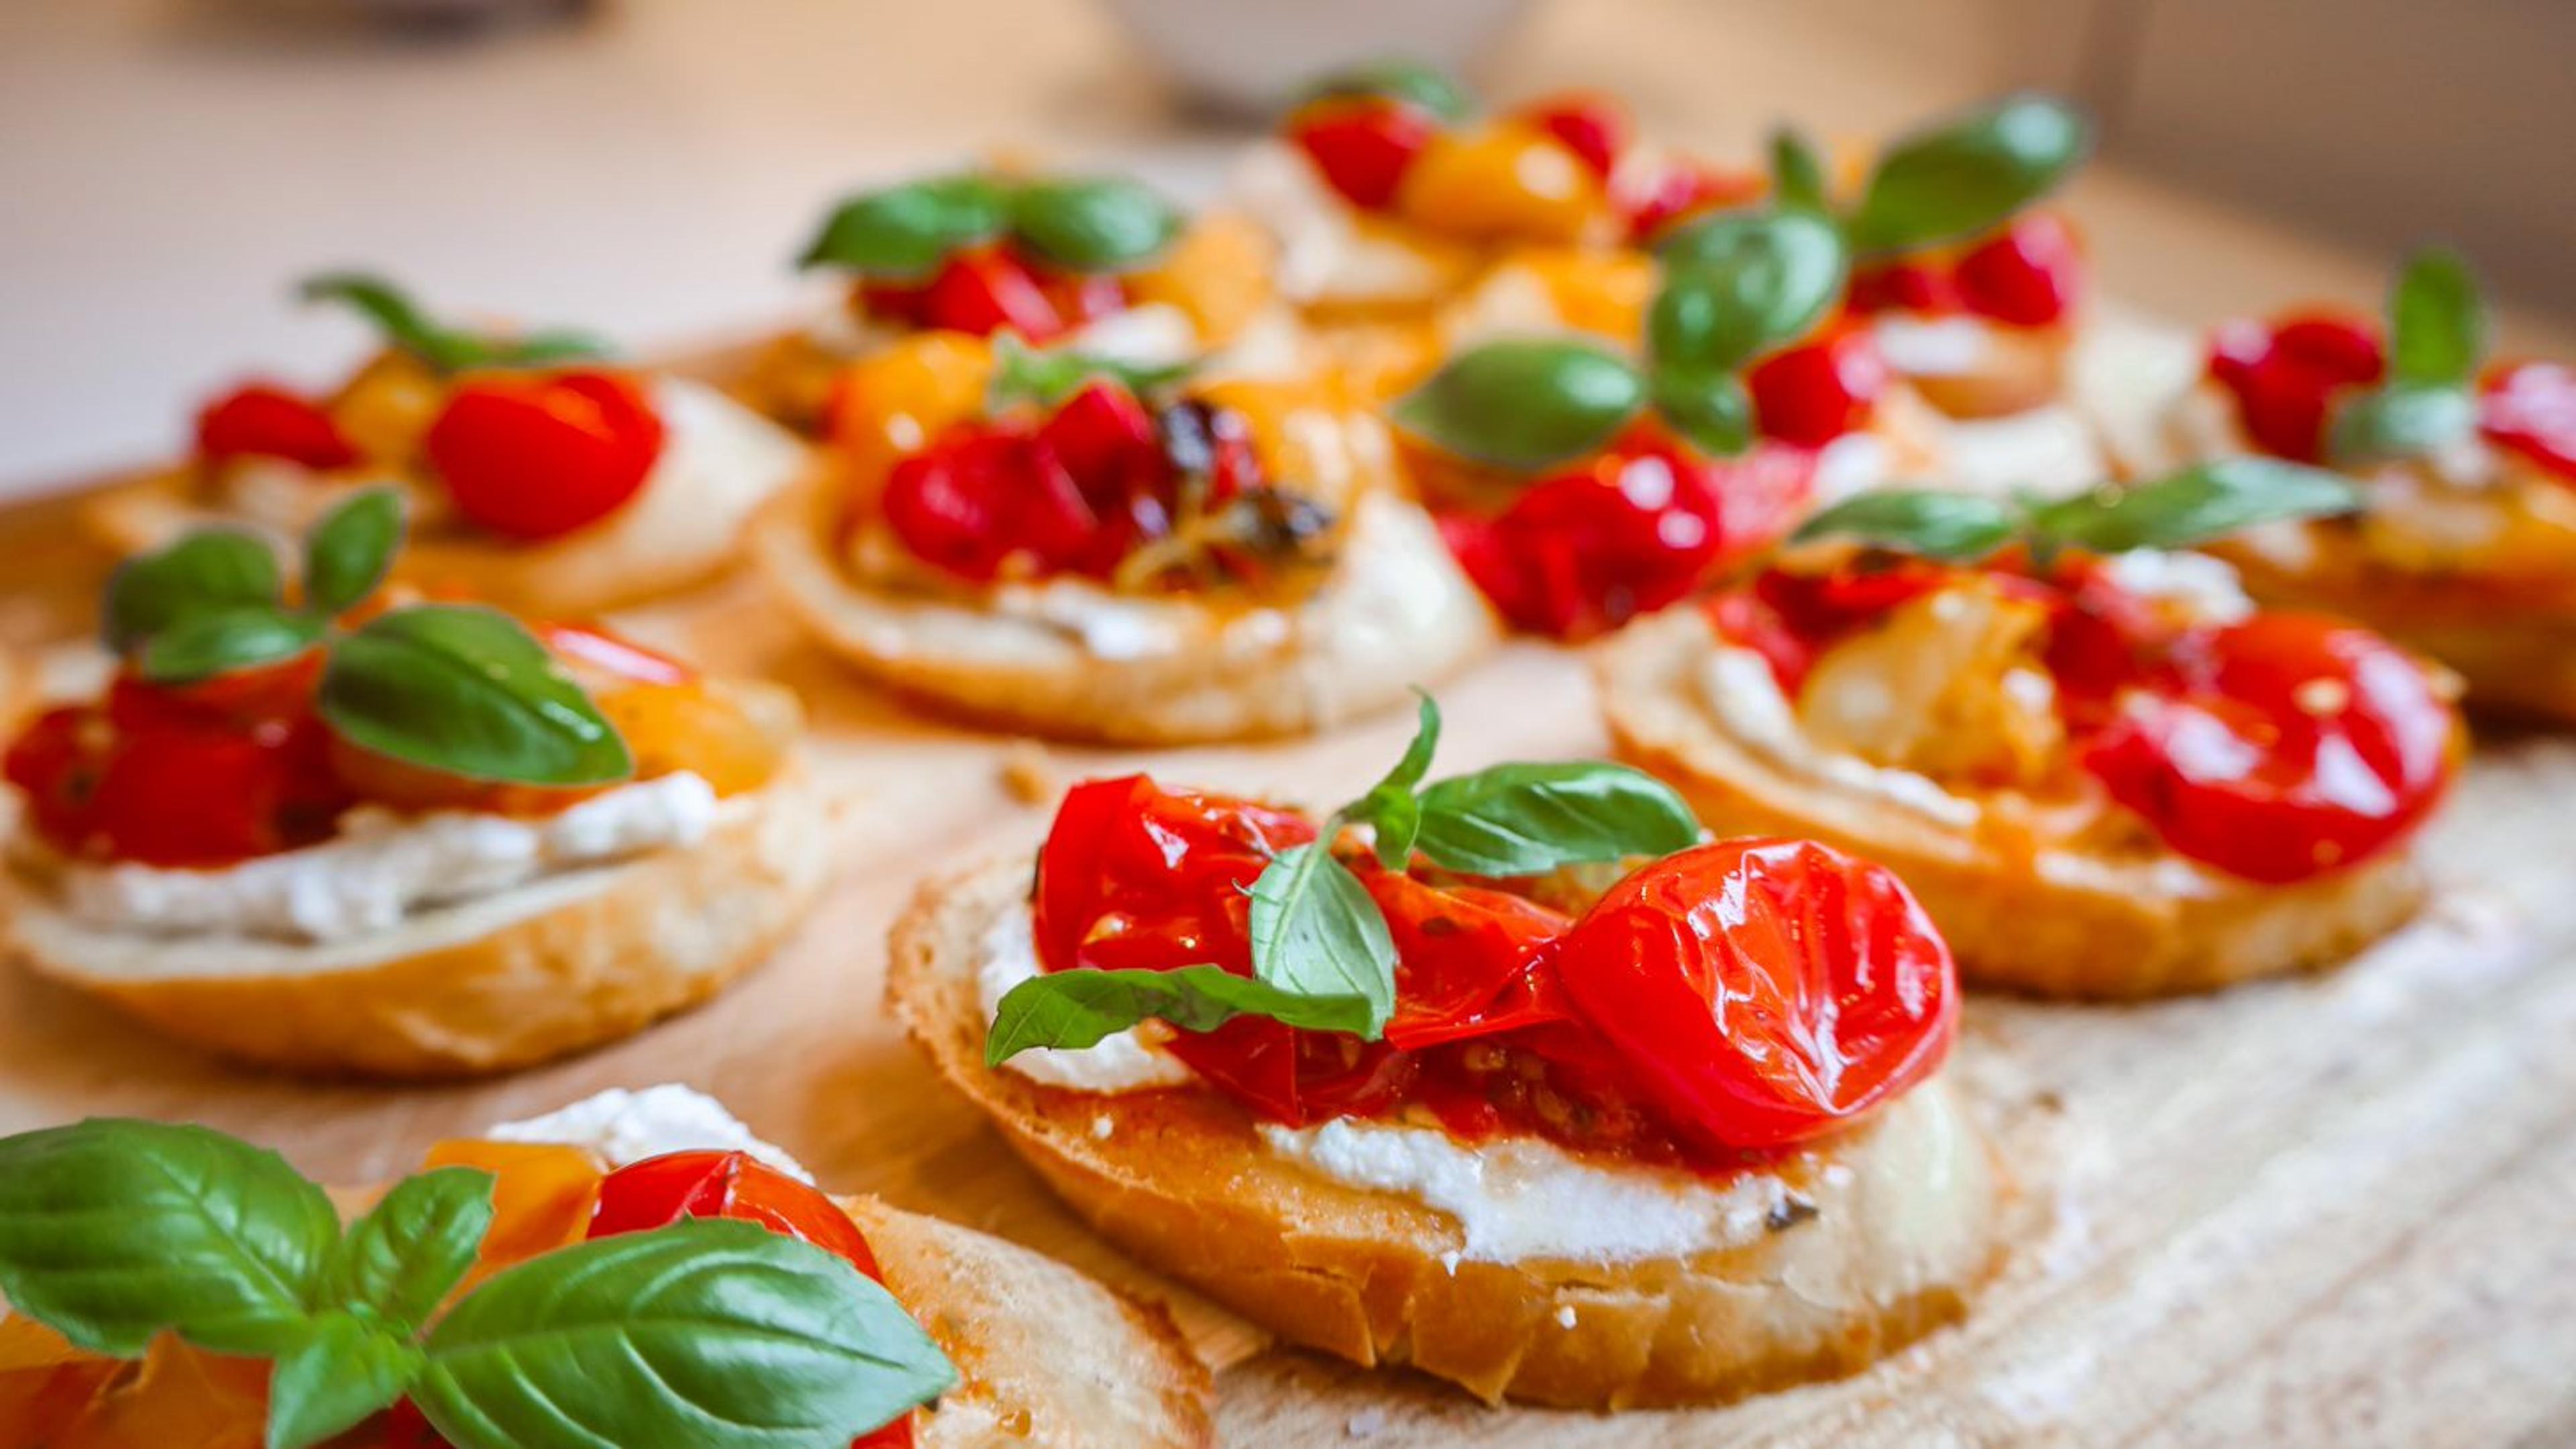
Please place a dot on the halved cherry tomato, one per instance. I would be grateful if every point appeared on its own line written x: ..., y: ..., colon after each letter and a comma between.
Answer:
x: 1587, y: 550
x: 2026, y: 277
x: 982, y: 497
x: 2531, y: 408
x: 266, y: 421
x: 986, y: 290
x: 1363, y: 145
x: 1679, y: 190
x: 1589, y: 126
x: 534, y: 457
x: 2286, y: 377
x: 1904, y: 286
x: 1470, y: 962
x: 1817, y: 391
x: 1764, y: 992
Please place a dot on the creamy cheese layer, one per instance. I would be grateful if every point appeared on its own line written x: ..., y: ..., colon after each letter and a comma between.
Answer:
x: 1738, y: 688
x: 1120, y: 1062
x: 621, y: 1127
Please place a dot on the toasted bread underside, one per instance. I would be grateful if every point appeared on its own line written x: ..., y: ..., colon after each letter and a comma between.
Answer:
x: 2063, y: 925
x: 1350, y: 649
x: 567, y: 962
x: 1904, y: 1228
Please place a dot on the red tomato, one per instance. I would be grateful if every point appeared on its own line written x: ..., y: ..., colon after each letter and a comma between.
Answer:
x: 2292, y: 745
x: 1817, y: 391
x: 1764, y: 992
x: 2026, y: 277
x: 1904, y: 287
x: 1790, y: 618
x: 1589, y: 126
x: 1080, y: 297
x: 986, y: 290
x: 1676, y: 192
x: 1586, y: 551
x: 2286, y: 378
x: 532, y: 457
x: 2531, y: 408
x: 1470, y: 962
x: 265, y: 421
x: 1362, y: 146
x: 1106, y: 440
x: 981, y: 498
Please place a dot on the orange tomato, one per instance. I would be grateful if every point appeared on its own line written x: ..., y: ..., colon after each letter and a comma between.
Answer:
x: 1219, y: 273
x: 894, y: 402
x: 542, y: 1195
x: 1510, y: 181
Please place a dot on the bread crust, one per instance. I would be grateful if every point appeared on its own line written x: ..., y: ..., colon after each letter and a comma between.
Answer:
x: 1903, y: 1233
x: 2067, y: 925
x: 485, y: 985
x: 1355, y: 646
x: 2024, y: 368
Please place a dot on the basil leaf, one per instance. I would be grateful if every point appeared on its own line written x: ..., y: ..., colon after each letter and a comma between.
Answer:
x: 1738, y: 284
x: 112, y: 1231
x: 713, y: 1333
x: 1409, y: 81
x: 394, y: 314
x: 1969, y: 175
x: 1712, y: 409
x: 347, y: 553
x: 1316, y: 932
x: 1076, y: 1009
x: 210, y: 569
x: 2206, y: 501
x: 1797, y: 172
x: 2437, y: 326
x: 540, y: 349
x: 466, y: 690
x: 402, y: 1259
x: 204, y: 645
x: 1094, y: 224
x: 1531, y: 818
x: 905, y: 232
x: 344, y: 1371
x: 1524, y: 403
x: 1389, y: 807
x: 1047, y: 376
x: 2401, y: 420
x: 1956, y: 527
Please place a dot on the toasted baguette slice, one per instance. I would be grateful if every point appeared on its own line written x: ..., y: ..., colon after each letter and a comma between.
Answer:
x: 1395, y: 613
x: 1904, y: 1228
x: 2023, y: 368
x: 2064, y: 924
x: 487, y: 984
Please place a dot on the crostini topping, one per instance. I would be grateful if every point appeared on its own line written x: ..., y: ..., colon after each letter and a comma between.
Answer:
x: 263, y: 420
x: 710, y: 1332
x: 443, y: 348
x: 2531, y: 409
x: 536, y: 457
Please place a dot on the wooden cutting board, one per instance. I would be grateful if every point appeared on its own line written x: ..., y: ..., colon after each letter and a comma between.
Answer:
x: 2339, y: 1210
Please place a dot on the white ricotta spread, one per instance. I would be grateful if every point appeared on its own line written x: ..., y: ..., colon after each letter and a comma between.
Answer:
x: 1522, y: 1198
x: 2204, y: 587
x: 1739, y: 689
x: 1853, y: 463
x: 383, y: 866
x: 1156, y: 334
x: 621, y: 1127
x: 1921, y: 345
x: 1119, y: 1062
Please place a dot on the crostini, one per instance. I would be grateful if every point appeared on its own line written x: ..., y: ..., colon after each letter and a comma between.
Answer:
x: 2465, y: 546
x: 1097, y: 264
x: 2104, y: 772
x: 1431, y: 1082
x: 328, y: 831
x: 635, y: 1269
x: 540, y: 476
x: 1053, y: 543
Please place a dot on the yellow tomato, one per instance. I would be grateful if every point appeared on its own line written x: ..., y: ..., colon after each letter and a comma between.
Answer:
x: 893, y: 403
x: 1505, y: 182
x: 694, y: 727
x: 542, y: 1195
x: 1602, y: 292
x: 1219, y: 273
x: 386, y: 408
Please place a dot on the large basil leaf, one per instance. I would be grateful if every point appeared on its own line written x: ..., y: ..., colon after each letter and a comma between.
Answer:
x: 1389, y: 807
x: 466, y: 690
x: 1524, y: 403
x: 1409, y: 81
x: 1958, y: 527
x: 2202, y: 502
x: 112, y: 1231
x: 2437, y: 326
x: 1526, y: 819
x: 1094, y: 224
x: 1969, y: 175
x: 711, y: 1333
x: 1316, y: 932
x: 209, y: 569
x: 344, y: 1370
x: 905, y: 232
x: 1712, y: 409
x: 1738, y: 284
x: 204, y: 645
x: 347, y: 553
x: 1075, y: 1009
x: 403, y: 1257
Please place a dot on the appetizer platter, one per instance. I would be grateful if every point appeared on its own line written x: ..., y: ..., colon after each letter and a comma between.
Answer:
x: 1510, y: 836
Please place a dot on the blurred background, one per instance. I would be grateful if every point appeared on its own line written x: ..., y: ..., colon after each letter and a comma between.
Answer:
x: 646, y: 167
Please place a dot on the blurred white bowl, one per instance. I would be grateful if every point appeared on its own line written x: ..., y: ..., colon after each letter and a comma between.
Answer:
x: 1250, y: 56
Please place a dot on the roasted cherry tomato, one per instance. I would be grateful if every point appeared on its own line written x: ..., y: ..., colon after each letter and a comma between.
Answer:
x: 1362, y: 145
x: 1679, y: 190
x: 2026, y: 277
x: 1764, y: 992
x: 1904, y: 286
x: 1790, y: 617
x: 1587, y: 550
x: 532, y: 457
x: 988, y: 290
x: 2286, y: 378
x: 1589, y: 126
x: 2531, y: 408
x: 1470, y: 962
x: 2291, y: 745
x: 1817, y: 391
x: 261, y: 420
x: 982, y: 497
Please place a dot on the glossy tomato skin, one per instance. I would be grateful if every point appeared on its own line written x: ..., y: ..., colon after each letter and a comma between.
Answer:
x: 1817, y: 391
x: 1678, y: 191
x: 1763, y: 993
x: 2530, y: 408
x: 1362, y: 146
x: 534, y: 457
x: 2286, y: 377
x: 982, y: 497
x: 2027, y: 276
x: 1471, y: 962
x: 262, y: 420
x: 1589, y: 126
x: 1904, y: 286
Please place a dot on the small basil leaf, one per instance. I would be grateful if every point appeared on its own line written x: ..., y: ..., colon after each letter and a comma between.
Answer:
x: 1527, y: 819
x: 210, y: 569
x: 2401, y: 420
x: 204, y: 645
x: 1969, y: 175
x: 1047, y: 376
x: 342, y: 1373
x: 1076, y: 1009
x: 1738, y: 284
x: 904, y: 232
x: 414, y: 1246
x: 1389, y: 807
x: 466, y: 690
x: 1094, y: 224
x: 1316, y: 932
x: 397, y: 316
x: 2206, y: 501
x: 1524, y: 403
x: 2437, y: 326
x: 112, y: 1231
x: 1409, y: 81
x: 1712, y: 409
x: 1956, y: 527
x: 1797, y: 172
x: 545, y: 349
x: 713, y: 1333
x: 347, y: 553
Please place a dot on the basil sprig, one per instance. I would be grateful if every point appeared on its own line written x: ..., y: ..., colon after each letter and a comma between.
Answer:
x: 1409, y: 81
x: 905, y: 233
x: 456, y: 688
x: 1049, y: 375
x: 712, y: 1333
x: 2193, y: 506
x: 1967, y: 175
x: 2437, y: 335
x: 443, y: 348
x: 1322, y: 955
